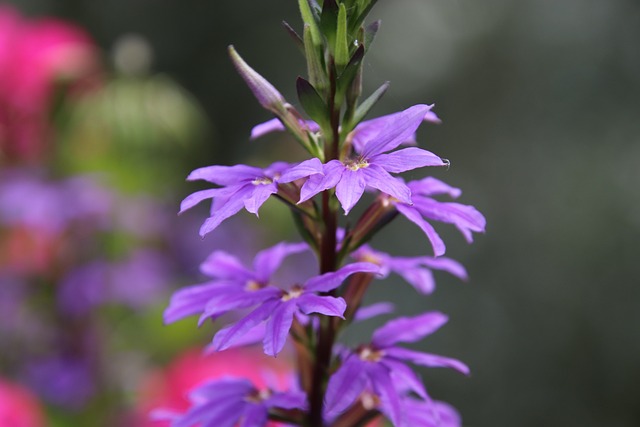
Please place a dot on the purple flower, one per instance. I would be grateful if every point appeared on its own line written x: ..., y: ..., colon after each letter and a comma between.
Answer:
x: 370, y: 167
x: 229, y: 402
x: 278, y: 307
x: 415, y: 270
x: 380, y: 367
x: 243, y: 186
x: 233, y: 286
x: 274, y: 125
x: 418, y: 413
x: 466, y: 218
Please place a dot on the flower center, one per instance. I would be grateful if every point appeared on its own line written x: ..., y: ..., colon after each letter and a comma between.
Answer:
x: 354, y: 165
x: 369, y: 354
x: 252, y: 285
x: 263, y: 180
x: 258, y: 396
x: 293, y: 293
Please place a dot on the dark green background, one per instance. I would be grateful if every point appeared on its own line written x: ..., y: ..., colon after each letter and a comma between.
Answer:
x: 541, y: 110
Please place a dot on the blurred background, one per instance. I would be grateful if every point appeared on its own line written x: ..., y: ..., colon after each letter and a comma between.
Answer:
x: 119, y: 100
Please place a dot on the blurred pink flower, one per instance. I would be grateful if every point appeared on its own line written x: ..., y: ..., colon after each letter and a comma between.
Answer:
x: 168, y: 388
x: 34, y: 56
x: 18, y: 408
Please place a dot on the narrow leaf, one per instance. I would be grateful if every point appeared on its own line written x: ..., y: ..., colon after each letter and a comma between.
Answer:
x: 329, y: 21
x: 364, y: 108
x: 309, y: 19
x: 315, y: 67
x: 370, y: 34
x: 351, y: 70
x: 311, y: 101
x: 294, y: 36
x: 342, y: 44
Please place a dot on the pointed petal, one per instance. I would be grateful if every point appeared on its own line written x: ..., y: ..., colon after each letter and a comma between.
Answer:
x: 316, y: 183
x: 235, y: 298
x: 384, y: 388
x: 226, y: 337
x: 419, y: 277
x: 302, y: 170
x: 408, y: 329
x: 277, y: 328
x: 223, y: 265
x: 329, y: 281
x: 273, y: 125
x: 393, y: 130
x: 259, y: 195
x: 194, y: 198
x: 404, y: 377
x: 225, y: 175
x: 232, y: 207
x: 431, y: 186
x: 252, y: 336
x: 414, y: 216
x: 350, y: 188
x: 268, y: 261
x: 328, y: 306
x: 189, y: 301
x: 380, y: 179
x: 465, y: 217
x: 288, y: 400
x: 345, y: 386
x: 407, y: 159
x: 427, y: 359
x: 446, y: 264
x: 373, y: 310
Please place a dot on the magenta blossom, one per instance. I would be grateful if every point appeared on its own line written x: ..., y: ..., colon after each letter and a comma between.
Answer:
x: 370, y: 166
x: 380, y: 367
x: 466, y: 218
x: 243, y: 186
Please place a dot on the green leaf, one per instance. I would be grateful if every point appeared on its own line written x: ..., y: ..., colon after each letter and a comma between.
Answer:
x: 342, y: 44
x: 315, y: 66
x: 350, y: 71
x: 309, y: 18
x: 312, y: 102
x: 370, y: 34
x: 364, y: 108
x: 294, y: 36
x: 364, y: 7
x: 329, y: 22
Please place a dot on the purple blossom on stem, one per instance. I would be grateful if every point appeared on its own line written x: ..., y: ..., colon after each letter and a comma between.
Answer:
x: 233, y: 286
x: 419, y: 413
x: 232, y: 402
x: 466, y: 218
x: 371, y: 167
x: 417, y: 271
x: 243, y: 186
x: 380, y: 367
x: 278, y: 307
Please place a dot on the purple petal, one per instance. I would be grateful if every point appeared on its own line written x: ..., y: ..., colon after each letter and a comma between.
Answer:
x: 393, y: 130
x: 373, y: 310
x: 189, y: 301
x: 234, y: 298
x: 430, y: 414
x: 329, y: 281
x: 302, y: 170
x: 273, y: 125
x: 404, y: 378
x: 380, y: 179
x: 407, y: 159
x: 232, y: 207
x: 260, y: 194
x: 194, y: 198
x: 328, y: 306
x: 255, y: 415
x: 252, y: 336
x: 431, y: 186
x: 384, y: 388
x: 432, y: 117
x: 446, y: 264
x: 414, y: 216
x: 278, y: 326
x: 316, y: 183
x: 225, y: 175
x: 427, y: 359
x: 223, y: 265
x: 221, y: 389
x: 419, y: 277
x: 288, y: 400
x: 465, y: 218
x: 268, y: 261
x: 408, y: 329
x: 226, y: 337
x: 345, y: 386
x: 350, y: 188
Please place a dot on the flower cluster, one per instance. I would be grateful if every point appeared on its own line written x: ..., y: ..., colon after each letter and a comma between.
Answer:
x: 349, y: 156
